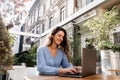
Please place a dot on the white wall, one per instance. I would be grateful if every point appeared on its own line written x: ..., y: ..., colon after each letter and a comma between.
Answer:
x: 15, y: 48
x: 70, y: 7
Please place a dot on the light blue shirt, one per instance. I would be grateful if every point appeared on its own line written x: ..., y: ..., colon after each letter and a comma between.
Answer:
x: 49, y: 65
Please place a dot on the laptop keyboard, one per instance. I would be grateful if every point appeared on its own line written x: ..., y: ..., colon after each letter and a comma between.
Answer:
x: 78, y: 74
x: 72, y: 74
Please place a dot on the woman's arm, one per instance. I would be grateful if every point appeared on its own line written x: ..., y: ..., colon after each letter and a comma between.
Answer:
x: 65, y: 62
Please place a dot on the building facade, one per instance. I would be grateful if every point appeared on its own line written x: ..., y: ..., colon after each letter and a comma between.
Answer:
x: 48, y: 14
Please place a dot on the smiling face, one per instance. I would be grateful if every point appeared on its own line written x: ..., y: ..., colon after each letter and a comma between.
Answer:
x: 58, y: 37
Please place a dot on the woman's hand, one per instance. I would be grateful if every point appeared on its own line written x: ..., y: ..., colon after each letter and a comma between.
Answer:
x: 67, y: 70
x: 78, y: 68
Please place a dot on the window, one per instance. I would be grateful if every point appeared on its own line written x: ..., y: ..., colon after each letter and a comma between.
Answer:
x: 51, y: 2
x: 44, y: 9
x: 33, y: 31
x: 33, y: 18
x: 117, y: 38
x: 79, y: 3
x: 36, y: 15
x: 43, y: 28
x: 38, y: 30
x: 51, y: 22
x: 88, y: 1
x: 39, y: 10
x: 62, y: 14
x: 47, y: 4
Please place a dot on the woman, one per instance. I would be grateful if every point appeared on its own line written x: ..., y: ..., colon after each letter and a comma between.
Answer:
x: 53, y: 59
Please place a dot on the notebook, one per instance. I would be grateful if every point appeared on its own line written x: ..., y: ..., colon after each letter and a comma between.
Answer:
x: 88, y: 64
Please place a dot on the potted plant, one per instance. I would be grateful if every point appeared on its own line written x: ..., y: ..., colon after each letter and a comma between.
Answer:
x: 101, y: 27
x: 89, y: 43
x: 103, y: 24
x: 6, y: 58
x: 28, y: 57
x: 116, y: 48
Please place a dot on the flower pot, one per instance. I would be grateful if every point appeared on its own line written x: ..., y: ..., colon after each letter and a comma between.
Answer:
x: 105, y: 62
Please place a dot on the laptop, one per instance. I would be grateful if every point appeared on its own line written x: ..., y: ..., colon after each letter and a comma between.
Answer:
x: 88, y: 64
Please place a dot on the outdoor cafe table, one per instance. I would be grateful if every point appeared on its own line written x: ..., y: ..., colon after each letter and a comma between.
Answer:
x: 92, y: 77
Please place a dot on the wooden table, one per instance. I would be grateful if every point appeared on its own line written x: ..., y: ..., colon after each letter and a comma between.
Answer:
x: 93, y: 77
